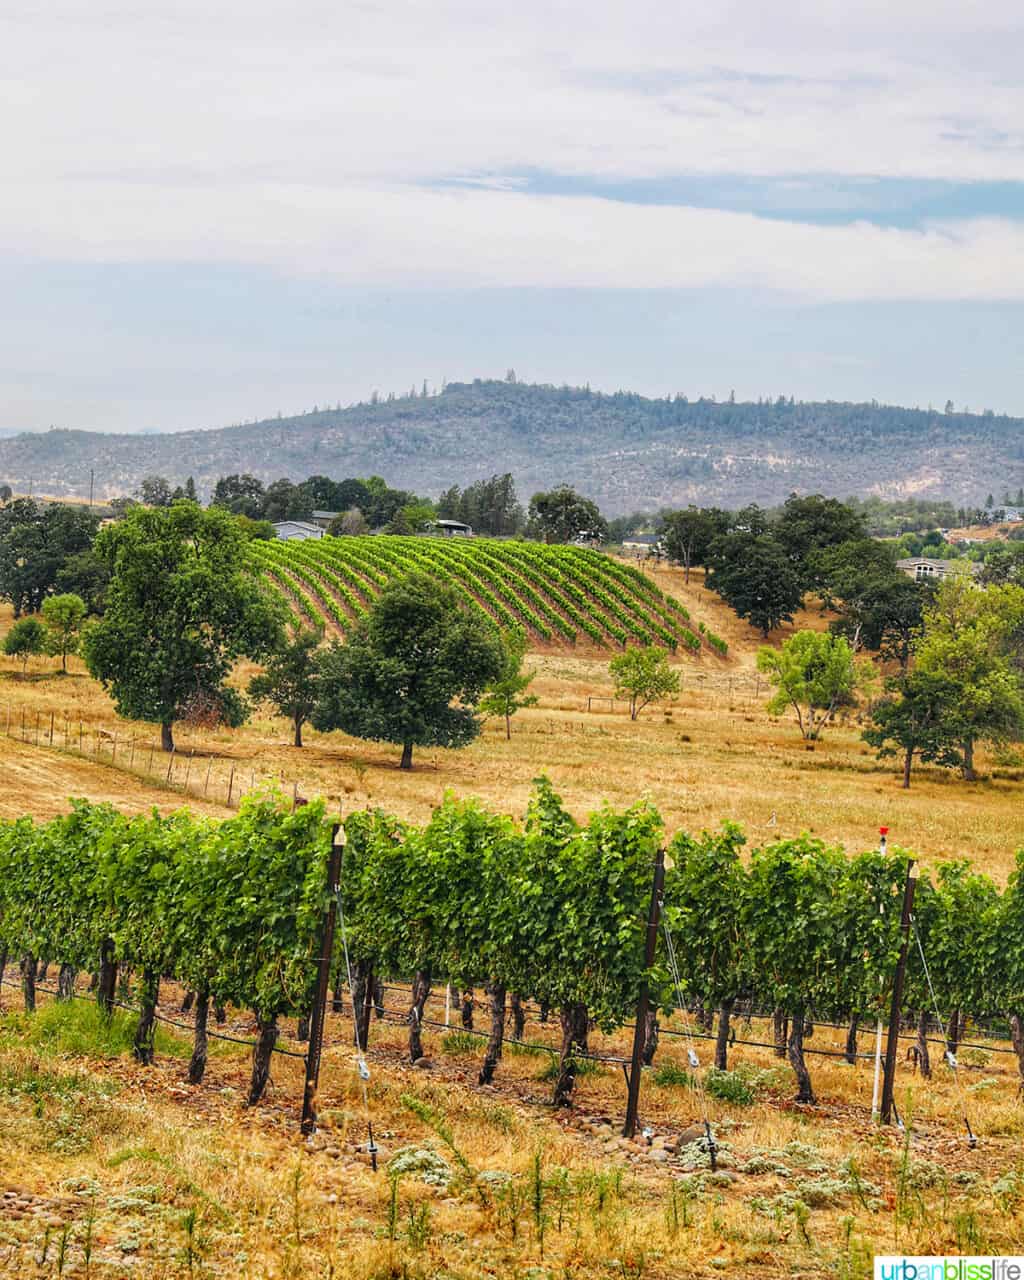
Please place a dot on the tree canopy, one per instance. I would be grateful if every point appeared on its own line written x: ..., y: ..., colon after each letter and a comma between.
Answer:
x: 643, y: 675
x: 754, y: 575
x: 814, y: 674
x: 182, y: 607
x: 412, y: 672
x: 35, y: 543
x: 562, y: 515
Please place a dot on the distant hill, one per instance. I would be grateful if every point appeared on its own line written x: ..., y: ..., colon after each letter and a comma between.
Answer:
x: 626, y: 451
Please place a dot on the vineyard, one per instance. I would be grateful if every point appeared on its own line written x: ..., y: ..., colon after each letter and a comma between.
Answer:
x: 559, y: 595
x: 552, y: 911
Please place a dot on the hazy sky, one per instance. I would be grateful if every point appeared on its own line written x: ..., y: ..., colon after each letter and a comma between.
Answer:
x: 217, y: 211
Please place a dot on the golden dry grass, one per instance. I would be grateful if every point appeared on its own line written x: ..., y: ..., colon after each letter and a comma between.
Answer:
x: 712, y: 753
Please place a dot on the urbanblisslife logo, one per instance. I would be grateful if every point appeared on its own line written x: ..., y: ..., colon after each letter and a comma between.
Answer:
x: 946, y: 1268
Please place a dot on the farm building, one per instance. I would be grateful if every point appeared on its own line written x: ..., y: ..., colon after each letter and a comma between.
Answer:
x: 322, y: 519
x: 643, y: 544
x: 453, y: 529
x: 296, y: 530
x: 926, y: 569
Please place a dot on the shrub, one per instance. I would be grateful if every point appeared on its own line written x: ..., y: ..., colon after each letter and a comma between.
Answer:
x: 728, y: 1086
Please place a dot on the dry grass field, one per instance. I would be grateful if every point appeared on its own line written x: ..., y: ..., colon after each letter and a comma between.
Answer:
x: 110, y: 1169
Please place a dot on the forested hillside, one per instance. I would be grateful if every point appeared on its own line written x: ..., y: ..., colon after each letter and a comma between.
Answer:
x: 624, y: 450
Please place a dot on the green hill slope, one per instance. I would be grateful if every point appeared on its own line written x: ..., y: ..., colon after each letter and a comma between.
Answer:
x: 558, y: 595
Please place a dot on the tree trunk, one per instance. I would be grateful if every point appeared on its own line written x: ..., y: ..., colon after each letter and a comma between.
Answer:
x: 298, y: 731
x: 851, y: 1040
x: 261, y: 1054
x: 496, y: 992
x: 955, y: 1031
x: 545, y: 1009
x: 378, y: 999
x: 166, y: 737
x: 28, y: 982
x: 420, y: 994
x: 42, y: 969
x: 574, y: 1022
x: 338, y: 995
x: 780, y: 1027
x: 508, y: 727
x: 188, y: 1001
x: 362, y: 1001
x: 722, y: 1039
x: 106, y: 988
x: 302, y: 1028
x: 924, y: 1060
x: 66, y: 982
x: 145, y: 1032
x: 406, y: 761
x: 1017, y: 1037
x: 908, y: 762
x: 467, y: 1009
x: 518, y: 1016
x: 707, y: 1018
x: 968, y: 765
x: 197, y: 1065
x: 650, y: 1047
x: 220, y: 1014
x: 796, y: 1058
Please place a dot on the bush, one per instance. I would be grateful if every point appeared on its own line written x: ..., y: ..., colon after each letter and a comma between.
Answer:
x: 728, y: 1086
x: 669, y: 1075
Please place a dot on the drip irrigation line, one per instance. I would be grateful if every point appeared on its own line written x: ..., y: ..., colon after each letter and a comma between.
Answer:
x: 628, y: 1026
x: 160, y: 1017
x: 529, y: 1006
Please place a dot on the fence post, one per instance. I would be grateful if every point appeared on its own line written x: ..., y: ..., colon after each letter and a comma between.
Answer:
x: 170, y: 766
x: 892, y: 1043
x: 51, y: 728
x: 643, y: 1003
x: 231, y: 783
x: 323, y: 982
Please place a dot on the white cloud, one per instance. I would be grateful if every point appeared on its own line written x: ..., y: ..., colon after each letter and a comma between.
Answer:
x: 474, y: 238
x: 295, y: 136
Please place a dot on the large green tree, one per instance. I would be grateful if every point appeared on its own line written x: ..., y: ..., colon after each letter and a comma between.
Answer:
x: 561, y: 515
x: 291, y: 679
x: 917, y: 718
x: 753, y: 574
x: 814, y: 673
x: 183, y: 606
x: 35, y: 543
x: 809, y: 525
x: 413, y: 671
x: 688, y: 534
x: 972, y: 638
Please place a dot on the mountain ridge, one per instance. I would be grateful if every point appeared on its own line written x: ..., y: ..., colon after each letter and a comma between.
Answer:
x: 625, y: 450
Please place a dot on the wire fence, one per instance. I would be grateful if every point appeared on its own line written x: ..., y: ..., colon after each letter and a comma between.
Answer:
x: 188, y: 772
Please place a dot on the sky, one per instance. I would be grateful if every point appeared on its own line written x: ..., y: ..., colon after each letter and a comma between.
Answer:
x: 213, y: 212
